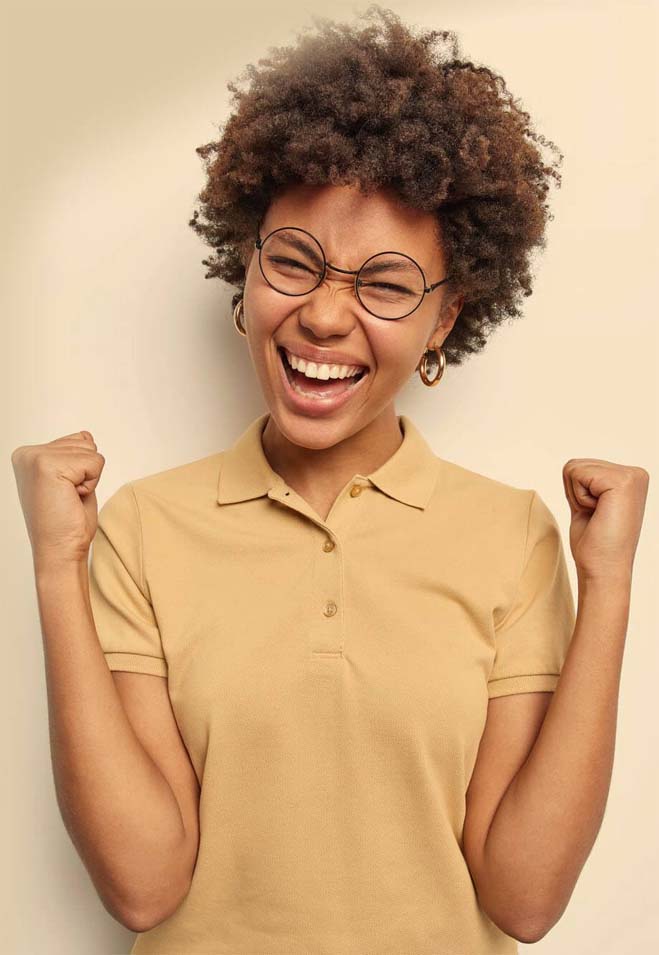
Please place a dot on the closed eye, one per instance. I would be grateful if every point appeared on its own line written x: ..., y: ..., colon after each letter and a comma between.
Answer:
x: 282, y: 260
x: 385, y: 286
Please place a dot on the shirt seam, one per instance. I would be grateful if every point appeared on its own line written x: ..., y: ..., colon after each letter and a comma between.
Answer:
x: 522, y: 567
x: 132, y: 653
x: 143, y: 586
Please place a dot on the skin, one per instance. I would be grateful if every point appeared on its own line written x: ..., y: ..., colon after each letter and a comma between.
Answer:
x: 317, y: 456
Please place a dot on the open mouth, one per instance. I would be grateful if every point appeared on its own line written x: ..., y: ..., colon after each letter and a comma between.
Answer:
x: 318, y: 387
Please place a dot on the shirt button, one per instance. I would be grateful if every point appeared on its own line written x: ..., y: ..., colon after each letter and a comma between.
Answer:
x: 330, y: 608
x: 328, y: 545
x: 355, y: 490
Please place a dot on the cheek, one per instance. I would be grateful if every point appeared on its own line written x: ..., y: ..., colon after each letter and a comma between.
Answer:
x: 397, y: 351
x: 265, y: 309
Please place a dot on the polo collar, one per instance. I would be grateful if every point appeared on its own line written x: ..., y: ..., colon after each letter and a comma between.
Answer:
x: 408, y: 476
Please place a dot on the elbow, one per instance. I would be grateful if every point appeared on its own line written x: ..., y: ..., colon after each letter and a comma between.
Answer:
x: 530, y: 933
x: 143, y: 920
x: 526, y: 930
x: 532, y: 929
x: 520, y: 922
x: 138, y: 921
x: 536, y: 927
x: 145, y: 917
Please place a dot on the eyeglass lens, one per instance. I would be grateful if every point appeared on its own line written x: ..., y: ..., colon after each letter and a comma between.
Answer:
x: 389, y: 284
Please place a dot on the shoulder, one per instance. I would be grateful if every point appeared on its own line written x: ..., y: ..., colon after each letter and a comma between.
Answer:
x: 479, y: 496
x: 193, y: 483
x: 182, y: 478
x: 482, y: 524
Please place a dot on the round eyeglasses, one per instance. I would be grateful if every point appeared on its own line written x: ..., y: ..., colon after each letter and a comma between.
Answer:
x: 389, y: 285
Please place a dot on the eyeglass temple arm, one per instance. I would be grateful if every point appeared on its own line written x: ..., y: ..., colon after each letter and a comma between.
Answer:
x: 431, y: 288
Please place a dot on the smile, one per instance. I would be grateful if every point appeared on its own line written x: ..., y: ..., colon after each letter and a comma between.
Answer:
x: 317, y: 396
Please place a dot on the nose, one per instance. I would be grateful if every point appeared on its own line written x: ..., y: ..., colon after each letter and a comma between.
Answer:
x: 332, y: 308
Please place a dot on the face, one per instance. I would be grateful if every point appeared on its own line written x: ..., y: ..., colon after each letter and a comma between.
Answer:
x: 330, y: 324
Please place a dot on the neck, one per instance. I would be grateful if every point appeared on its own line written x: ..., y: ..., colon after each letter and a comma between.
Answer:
x: 325, y: 471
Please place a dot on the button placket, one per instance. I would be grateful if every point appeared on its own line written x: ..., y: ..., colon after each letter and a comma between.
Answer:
x: 327, y: 622
x: 332, y: 596
x: 327, y: 611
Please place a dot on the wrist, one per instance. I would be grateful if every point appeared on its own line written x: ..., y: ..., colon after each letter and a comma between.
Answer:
x: 53, y: 568
x: 605, y: 583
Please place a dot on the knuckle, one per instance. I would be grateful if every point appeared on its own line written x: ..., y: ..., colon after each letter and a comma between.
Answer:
x: 41, y: 463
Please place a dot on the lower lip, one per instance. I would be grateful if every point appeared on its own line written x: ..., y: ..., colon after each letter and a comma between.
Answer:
x: 316, y: 407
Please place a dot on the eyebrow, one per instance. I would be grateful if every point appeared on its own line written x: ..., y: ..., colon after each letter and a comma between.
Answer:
x: 406, y: 267
x: 305, y: 247
x: 387, y: 265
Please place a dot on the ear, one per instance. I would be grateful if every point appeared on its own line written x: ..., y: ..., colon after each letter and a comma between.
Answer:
x: 450, y: 310
x: 246, y: 251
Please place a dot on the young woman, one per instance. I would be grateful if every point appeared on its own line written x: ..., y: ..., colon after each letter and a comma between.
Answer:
x: 324, y: 691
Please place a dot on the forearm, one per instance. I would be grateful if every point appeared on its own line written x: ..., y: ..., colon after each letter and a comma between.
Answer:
x: 548, y: 819
x: 118, y: 808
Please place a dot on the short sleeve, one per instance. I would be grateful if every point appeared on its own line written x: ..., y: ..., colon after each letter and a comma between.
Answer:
x: 122, y: 611
x: 533, y: 637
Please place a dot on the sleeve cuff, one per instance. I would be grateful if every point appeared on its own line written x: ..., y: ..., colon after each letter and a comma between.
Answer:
x: 529, y: 683
x: 137, y: 663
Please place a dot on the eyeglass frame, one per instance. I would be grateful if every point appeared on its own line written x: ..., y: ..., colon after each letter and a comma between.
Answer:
x: 259, y: 243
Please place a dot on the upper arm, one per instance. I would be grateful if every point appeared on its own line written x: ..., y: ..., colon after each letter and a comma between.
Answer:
x: 146, y: 701
x: 512, y: 725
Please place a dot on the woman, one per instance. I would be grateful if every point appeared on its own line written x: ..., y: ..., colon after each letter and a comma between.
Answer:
x: 318, y: 690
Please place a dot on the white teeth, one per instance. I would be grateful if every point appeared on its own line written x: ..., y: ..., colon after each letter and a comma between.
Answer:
x: 313, y: 370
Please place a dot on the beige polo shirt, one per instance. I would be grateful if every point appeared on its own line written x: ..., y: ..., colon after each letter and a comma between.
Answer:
x: 330, y: 680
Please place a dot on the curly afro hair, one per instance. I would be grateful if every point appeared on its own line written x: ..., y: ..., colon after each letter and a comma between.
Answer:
x: 383, y: 106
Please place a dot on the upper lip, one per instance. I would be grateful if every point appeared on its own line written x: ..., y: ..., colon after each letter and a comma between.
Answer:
x: 322, y: 356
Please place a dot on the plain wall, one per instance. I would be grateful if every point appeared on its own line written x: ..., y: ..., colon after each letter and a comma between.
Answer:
x: 108, y: 324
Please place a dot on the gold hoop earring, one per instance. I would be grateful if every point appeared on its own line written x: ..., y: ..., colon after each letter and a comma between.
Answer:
x: 423, y: 366
x: 238, y: 313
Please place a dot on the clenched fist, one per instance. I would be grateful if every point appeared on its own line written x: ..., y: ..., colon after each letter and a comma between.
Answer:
x: 57, y: 490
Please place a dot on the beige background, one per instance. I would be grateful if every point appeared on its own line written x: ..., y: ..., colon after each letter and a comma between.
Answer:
x: 108, y: 324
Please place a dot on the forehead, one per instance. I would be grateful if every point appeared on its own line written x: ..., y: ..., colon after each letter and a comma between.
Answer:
x: 352, y: 226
